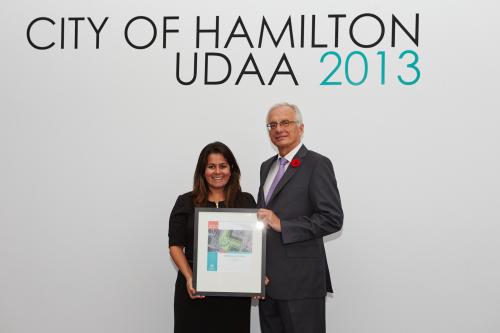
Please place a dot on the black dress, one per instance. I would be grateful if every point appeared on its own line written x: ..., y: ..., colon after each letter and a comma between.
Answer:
x: 212, y: 313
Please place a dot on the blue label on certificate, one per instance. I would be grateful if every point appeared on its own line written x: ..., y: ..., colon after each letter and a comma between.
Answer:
x: 212, y: 261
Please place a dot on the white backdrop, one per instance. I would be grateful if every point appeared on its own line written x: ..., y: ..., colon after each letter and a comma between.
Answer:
x: 95, y: 146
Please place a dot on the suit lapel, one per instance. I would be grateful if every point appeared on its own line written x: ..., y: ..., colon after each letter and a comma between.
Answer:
x: 289, y: 173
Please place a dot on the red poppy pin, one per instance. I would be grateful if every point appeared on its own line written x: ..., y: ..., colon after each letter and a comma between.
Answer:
x: 295, y: 163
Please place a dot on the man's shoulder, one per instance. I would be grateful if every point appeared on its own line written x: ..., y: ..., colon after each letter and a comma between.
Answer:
x: 269, y: 160
x: 316, y: 162
x: 311, y: 154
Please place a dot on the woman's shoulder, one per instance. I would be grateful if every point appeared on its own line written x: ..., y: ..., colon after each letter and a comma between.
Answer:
x: 246, y: 200
x: 186, y: 196
x: 184, y: 201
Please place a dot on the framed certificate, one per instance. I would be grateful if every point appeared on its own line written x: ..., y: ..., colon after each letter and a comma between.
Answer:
x: 229, y: 252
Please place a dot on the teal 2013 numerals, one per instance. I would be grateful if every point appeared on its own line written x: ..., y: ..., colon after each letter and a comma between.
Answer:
x: 326, y: 81
x: 412, y: 65
x: 365, y: 68
x: 364, y: 63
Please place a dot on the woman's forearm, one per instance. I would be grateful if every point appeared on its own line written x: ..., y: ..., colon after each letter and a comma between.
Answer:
x: 179, y: 258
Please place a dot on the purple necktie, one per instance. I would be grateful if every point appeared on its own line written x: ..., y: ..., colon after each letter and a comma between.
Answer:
x: 281, y: 171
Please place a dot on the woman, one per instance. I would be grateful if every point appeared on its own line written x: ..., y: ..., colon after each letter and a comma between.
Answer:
x: 216, y: 184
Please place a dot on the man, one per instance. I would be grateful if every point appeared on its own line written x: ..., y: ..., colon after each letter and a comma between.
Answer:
x: 300, y: 204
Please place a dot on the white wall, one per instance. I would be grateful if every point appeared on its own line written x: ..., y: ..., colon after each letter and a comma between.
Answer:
x: 97, y: 144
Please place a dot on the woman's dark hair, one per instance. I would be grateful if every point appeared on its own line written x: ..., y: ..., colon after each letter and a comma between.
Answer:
x: 200, y: 186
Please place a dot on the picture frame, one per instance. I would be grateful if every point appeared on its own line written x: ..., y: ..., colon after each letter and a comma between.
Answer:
x: 229, y: 252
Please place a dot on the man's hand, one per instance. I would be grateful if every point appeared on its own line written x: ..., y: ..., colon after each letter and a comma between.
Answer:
x: 269, y: 219
x: 261, y: 298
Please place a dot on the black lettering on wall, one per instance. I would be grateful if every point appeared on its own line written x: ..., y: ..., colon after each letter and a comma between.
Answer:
x: 129, y: 23
x: 28, y: 33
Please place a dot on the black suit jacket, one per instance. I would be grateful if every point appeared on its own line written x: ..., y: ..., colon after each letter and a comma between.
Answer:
x: 307, y: 202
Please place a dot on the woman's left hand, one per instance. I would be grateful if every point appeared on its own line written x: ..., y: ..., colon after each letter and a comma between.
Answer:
x: 191, y: 291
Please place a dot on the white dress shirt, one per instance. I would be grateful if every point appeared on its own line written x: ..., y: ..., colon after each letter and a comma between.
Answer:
x: 275, y: 167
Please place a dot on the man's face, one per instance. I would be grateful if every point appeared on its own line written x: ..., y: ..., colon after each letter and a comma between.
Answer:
x: 285, y: 138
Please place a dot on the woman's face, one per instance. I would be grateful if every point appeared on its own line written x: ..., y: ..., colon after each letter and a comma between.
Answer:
x: 217, y: 171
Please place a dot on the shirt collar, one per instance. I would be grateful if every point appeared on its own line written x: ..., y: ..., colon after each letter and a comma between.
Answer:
x: 292, y: 153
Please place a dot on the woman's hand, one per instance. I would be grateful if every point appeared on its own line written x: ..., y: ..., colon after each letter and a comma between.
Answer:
x: 191, y: 291
x: 178, y: 256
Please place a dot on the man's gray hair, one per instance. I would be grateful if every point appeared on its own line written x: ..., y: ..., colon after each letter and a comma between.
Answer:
x: 298, y: 114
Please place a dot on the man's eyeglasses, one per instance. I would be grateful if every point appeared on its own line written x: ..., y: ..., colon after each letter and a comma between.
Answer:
x: 283, y: 123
